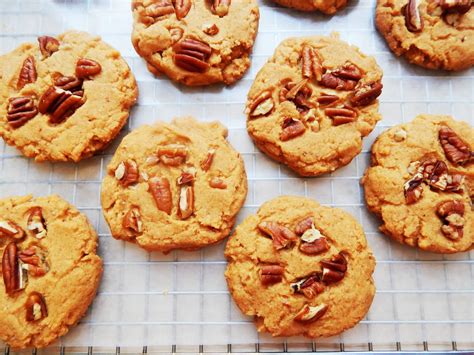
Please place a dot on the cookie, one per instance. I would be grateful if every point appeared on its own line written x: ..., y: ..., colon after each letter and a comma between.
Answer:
x: 328, y: 7
x: 431, y: 34
x: 300, y: 268
x: 64, y: 98
x: 174, y: 186
x: 421, y: 183
x: 196, y: 42
x: 313, y: 102
x: 50, y: 269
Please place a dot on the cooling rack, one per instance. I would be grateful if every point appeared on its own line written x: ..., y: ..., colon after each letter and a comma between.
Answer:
x: 149, y: 302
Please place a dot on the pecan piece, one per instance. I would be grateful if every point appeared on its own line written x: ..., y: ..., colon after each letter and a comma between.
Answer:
x: 435, y: 173
x: 455, y: 183
x: 413, y: 189
x: 14, y: 275
x: 207, y: 162
x: 313, y: 242
x: 348, y: 72
x: 291, y: 128
x: 173, y: 154
x: 36, y: 222
x: 9, y: 229
x: 343, y: 78
x: 220, y: 7
x: 310, y: 313
x: 127, y: 172
x: 186, y: 201
x: 132, y: 222
x: 282, y: 236
x: 309, y: 286
x: 303, y: 225
x: 261, y: 105
x: 48, y: 45
x: 181, y: 8
x: 271, y: 274
x: 413, y: 19
x: 154, y: 11
x: 27, y: 73
x: 456, y: 6
x: 327, y: 99
x: 210, y: 29
x: 298, y: 93
x: 217, y: 183
x: 35, y: 307
x: 366, y: 94
x: 85, y: 68
x: 161, y: 192
x: 455, y: 149
x: 334, y: 270
x: 192, y: 55
x: 20, y: 110
x: 311, y: 63
x: 341, y: 115
x: 69, y: 83
x: 186, y: 177
x: 452, y: 214
x: 176, y: 34
x: 34, y: 261
x: 60, y: 104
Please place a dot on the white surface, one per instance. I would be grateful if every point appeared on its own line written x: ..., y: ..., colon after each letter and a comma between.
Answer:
x: 182, y: 298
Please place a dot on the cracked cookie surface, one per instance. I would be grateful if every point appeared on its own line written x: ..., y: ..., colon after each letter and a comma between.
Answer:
x: 421, y: 183
x: 174, y: 186
x: 50, y: 269
x: 429, y: 33
x: 300, y: 268
x: 196, y: 42
x: 64, y: 98
x: 313, y: 102
x: 328, y: 7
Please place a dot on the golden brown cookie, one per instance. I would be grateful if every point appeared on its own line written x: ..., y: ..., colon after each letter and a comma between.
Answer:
x: 421, y: 183
x: 300, y: 268
x: 325, y: 6
x: 50, y: 269
x: 429, y: 33
x: 196, y: 42
x: 174, y: 186
x: 312, y: 102
x: 64, y: 98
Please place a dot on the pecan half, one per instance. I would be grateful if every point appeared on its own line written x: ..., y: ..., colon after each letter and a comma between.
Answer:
x: 282, y: 236
x: 149, y: 14
x: 34, y: 261
x: 262, y: 105
x: 161, y: 192
x: 60, y: 104
x: 182, y: 8
x: 20, y: 110
x: 310, y: 313
x: 334, y: 270
x: 35, y: 307
x: 456, y: 6
x: 27, y: 73
x: 173, y: 154
x: 413, y: 19
x: 455, y: 149
x: 309, y: 286
x: 271, y: 274
x: 217, y: 183
x: 207, y: 162
x: 413, y: 189
x: 48, y: 45
x: 311, y: 63
x: 366, y: 94
x: 327, y: 99
x: 192, y: 55
x: 69, y: 83
x: 220, y: 7
x: 452, y: 214
x: 343, y: 78
x: 85, y: 68
x: 291, y: 128
x: 9, y: 229
x: 36, y: 222
x: 341, y: 115
x: 14, y: 276
x: 127, y: 172
x: 132, y: 222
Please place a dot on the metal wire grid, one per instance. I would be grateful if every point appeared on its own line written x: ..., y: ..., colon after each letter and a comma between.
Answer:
x: 407, y: 92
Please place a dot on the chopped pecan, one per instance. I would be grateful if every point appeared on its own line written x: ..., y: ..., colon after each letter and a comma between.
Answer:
x: 348, y: 72
x: 149, y: 14
x: 298, y: 93
x: 186, y: 177
x: 343, y: 78
x: 20, y: 110
x: 182, y: 8
x: 455, y: 149
x: 291, y: 128
x: 455, y: 183
x: 161, y: 192
x: 192, y: 55
x: 413, y: 18
x: 60, y: 104
x: 132, y: 222
x: 282, y: 236
x: 452, y: 214
x: 327, y: 99
x: 210, y: 29
x: 303, y: 225
x: 413, y: 189
x: 186, y: 201
x: 14, y: 276
x: 9, y: 229
x: 334, y: 270
x: 309, y: 286
x: 34, y: 261
x: 85, y: 68
x: 312, y: 120
x: 207, y: 162
x: 176, y: 34
x: 217, y: 183
x: 27, y: 73
x: 220, y: 7
x: 36, y: 222
x: 35, y: 307
x: 271, y: 274
x: 310, y: 313
x: 48, y: 45
x: 127, y: 172
x: 313, y: 242
x: 311, y: 63
x: 173, y: 154
x: 69, y: 83
x: 366, y: 94
x: 341, y: 115
x: 261, y: 105
x: 435, y: 173
x: 456, y: 6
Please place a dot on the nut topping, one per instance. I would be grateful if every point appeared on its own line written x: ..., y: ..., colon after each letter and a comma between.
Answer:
x: 36, y: 222
x: 161, y: 192
x: 334, y: 270
x: 413, y: 189
x: 186, y: 202
x: 291, y: 128
x: 60, y: 104
x: 127, y: 172
x: 343, y: 78
x: 327, y: 99
x: 456, y: 6
x: 9, y: 229
x: 311, y: 63
x: 34, y: 261
x: 132, y: 221
x: 154, y: 11
x: 298, y: 93
x: 455, y: 149
x: 271, y: 274
x: 173, y: 154
x: 20, y: 110
x: 182, y: 8
x: 206, y: 163
x: 261, y: 105
x: 452, y: 212
x: 304, y: 224
x: 176, y: 34
x: 69, y: 83
x: 14, y: 276
x: 48, y: 45
x: 217, y: 183
x: 35, y: 307
x: 210, y: 29
x: 282, y: 236
x: 341, y: 115
x: 220, y: 7
x: 413, y: 19
x: 85, y: 68
x: 366, y: 94
x: 27, y: 73
x: 309, y: 286
x: 192, y: 55
x: 310, y: 313
x: 313, y: 242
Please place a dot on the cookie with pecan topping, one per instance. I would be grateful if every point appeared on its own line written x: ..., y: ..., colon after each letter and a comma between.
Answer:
x: 50, y: 269
x: 421, y: 183
x: 196, y: 42
x: 64, y: 98
x: 300, y: 268
x: 313, y: 102
x: 328, y: 7
x: 174, y: 186
x: 432, y: 34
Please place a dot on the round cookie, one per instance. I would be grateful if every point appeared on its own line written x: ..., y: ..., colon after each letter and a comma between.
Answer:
x: 174, y: 186
x: 431, y: 34
x: 196, y: 42
x: 328, y: 7
x: 300, y: 268
x: 64, y: 98
x: 421, y: 183
x: 50, y: 269
x: 312, y: 102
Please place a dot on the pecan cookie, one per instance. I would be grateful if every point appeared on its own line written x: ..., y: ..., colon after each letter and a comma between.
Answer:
x: 196, y: 42
x: 174, y: 186
x: 421, y: 183
x: 64, y: 98
x: 300, y: 268
x: 325, y: 6
x: 312, y: 102
x: 430, y: 33
x: 50, y: 269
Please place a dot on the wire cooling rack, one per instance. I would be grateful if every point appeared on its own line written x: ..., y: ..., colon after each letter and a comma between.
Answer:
x: 149, y: 302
